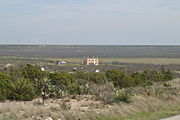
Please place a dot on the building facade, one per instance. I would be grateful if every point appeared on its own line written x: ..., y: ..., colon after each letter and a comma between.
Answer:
x: 91, y: 61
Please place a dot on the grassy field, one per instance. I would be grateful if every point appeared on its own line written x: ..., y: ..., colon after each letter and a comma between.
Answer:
x: 156, y: 61
x: 144, y: 60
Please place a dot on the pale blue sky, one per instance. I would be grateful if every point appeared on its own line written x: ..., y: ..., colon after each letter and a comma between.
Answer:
x: 114, y: 22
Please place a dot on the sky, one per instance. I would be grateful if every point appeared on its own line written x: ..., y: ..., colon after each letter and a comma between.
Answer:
x: 90, y: 22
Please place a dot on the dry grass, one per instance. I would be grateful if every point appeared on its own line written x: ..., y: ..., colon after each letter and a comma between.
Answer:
x: 86, y: 109
x: 20, y: 110
x: 157, y: 61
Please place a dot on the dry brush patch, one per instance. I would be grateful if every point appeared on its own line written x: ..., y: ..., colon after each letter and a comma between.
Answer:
x: 87, y: 108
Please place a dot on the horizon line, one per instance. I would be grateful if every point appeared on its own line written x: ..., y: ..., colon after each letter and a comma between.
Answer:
x: 94, y: 44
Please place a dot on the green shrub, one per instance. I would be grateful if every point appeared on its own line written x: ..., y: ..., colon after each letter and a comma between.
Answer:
x: 66, y: 82
x: 156, y: 76
x: 119, y: 78
x: 123, y: 96
x: 4, y: 91
x: 27, y: 82
x: 62, y: 80
x: 152, y: 76
x: 21, y: 89
x: 97, y: 78
x: 81, y: 75
x: 138, y: 79
x: 167, y: 75
x: 75, y: 90
x: 32, y: 72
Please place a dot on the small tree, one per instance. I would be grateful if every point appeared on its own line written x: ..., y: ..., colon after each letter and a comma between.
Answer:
x: 119, y: 78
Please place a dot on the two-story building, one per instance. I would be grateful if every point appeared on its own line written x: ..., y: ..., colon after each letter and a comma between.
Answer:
x: 91, y: 61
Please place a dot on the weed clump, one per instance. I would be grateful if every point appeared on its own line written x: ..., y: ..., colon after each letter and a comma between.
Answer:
x: 123, y: 96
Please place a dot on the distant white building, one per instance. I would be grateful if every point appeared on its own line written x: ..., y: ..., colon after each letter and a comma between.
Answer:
x: 91, y: 61
x: 61, y: 62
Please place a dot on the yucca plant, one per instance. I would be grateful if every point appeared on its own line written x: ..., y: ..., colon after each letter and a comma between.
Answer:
x: 21, y: 89
x: 156, y: 91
